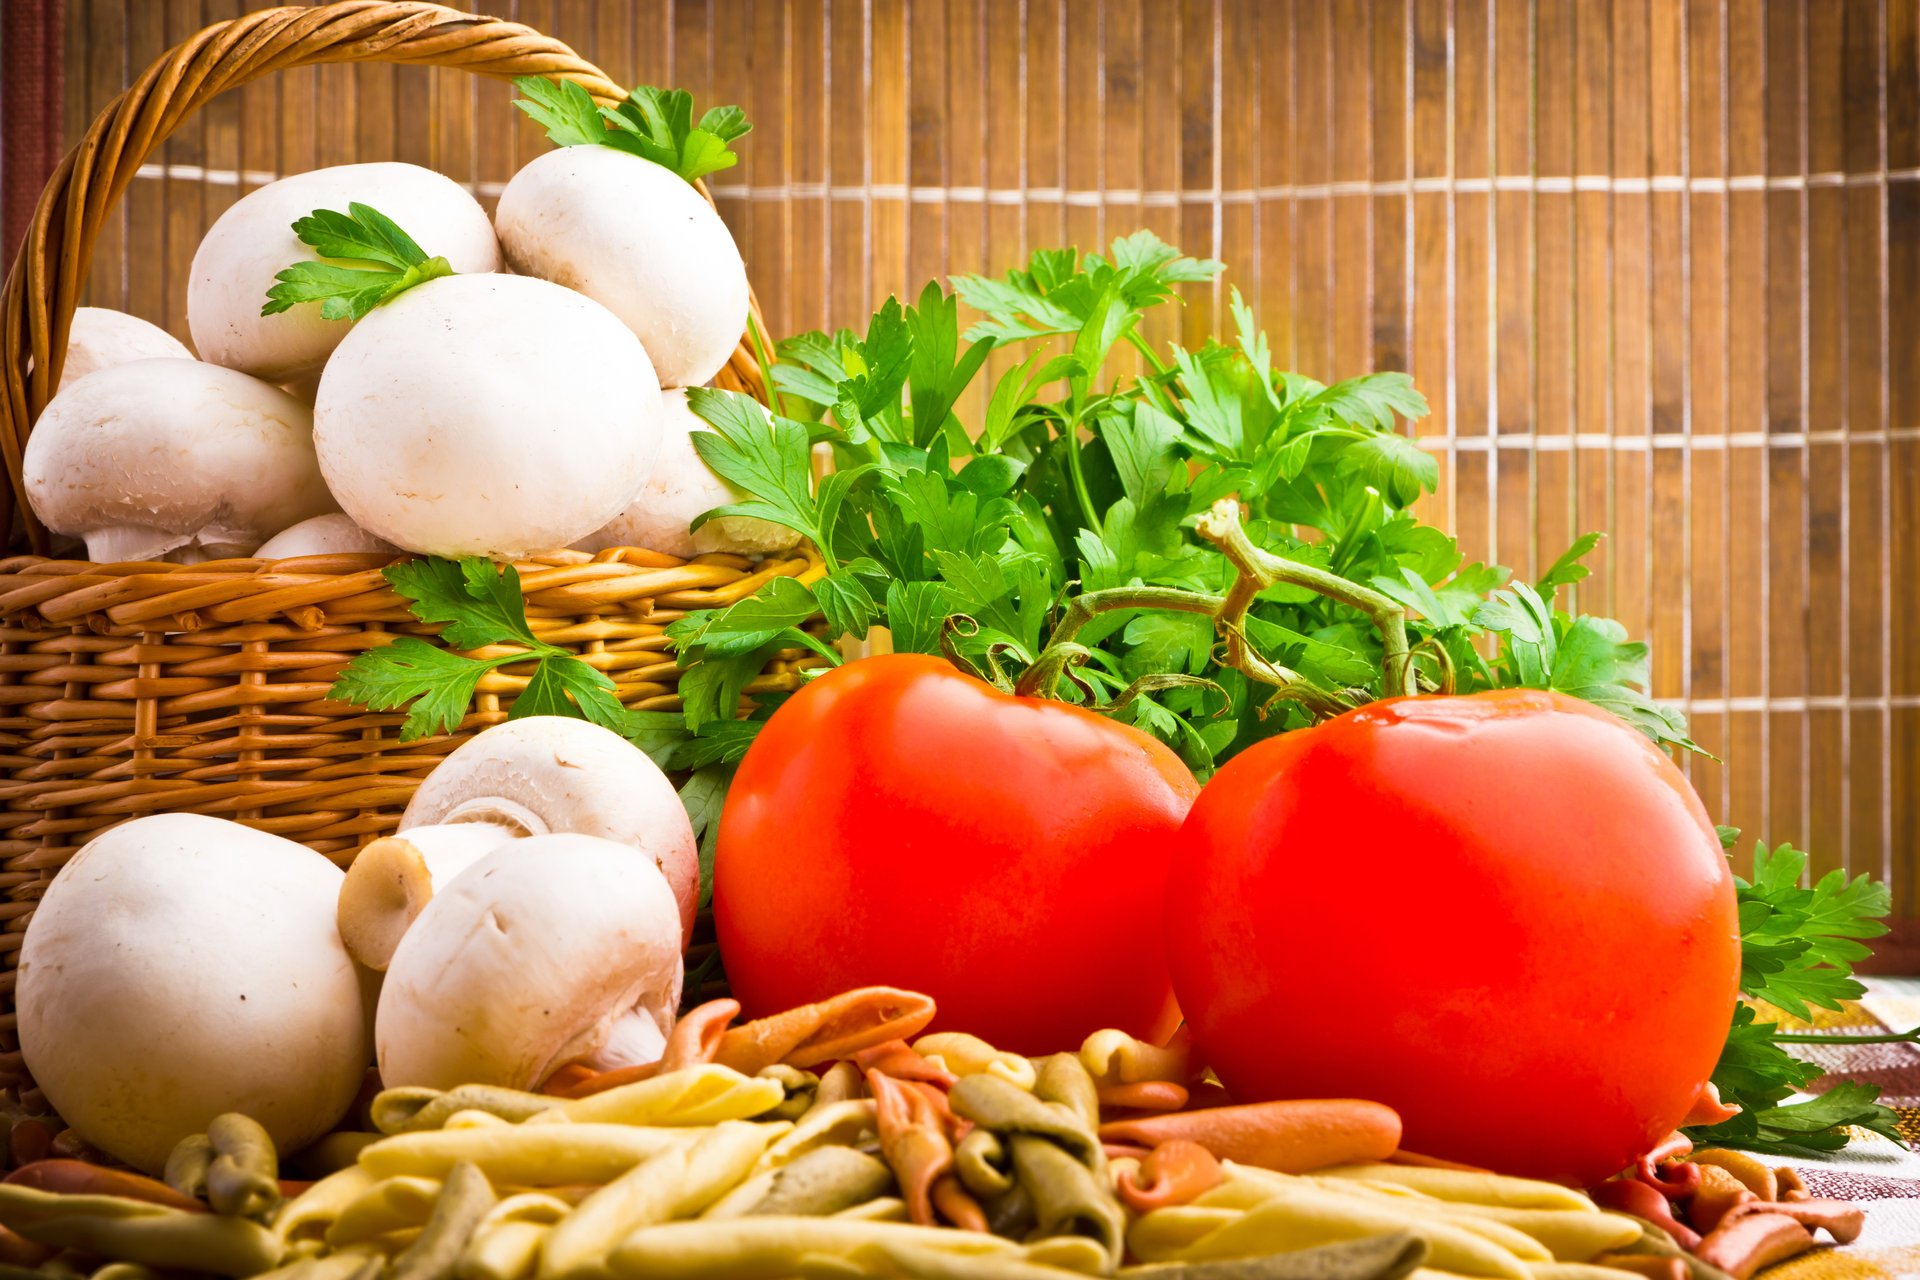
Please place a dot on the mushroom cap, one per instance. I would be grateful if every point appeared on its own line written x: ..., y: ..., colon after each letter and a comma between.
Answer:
x: 160, y: 456
x: 487, y: 415
x: 253, y: 241
x: 680, y: 489
x: 182, y: 966
x: 556, y: 773
x: 101, y: 338
x: 544, y: 952
x: 321, y: 535
x: 637, y: 238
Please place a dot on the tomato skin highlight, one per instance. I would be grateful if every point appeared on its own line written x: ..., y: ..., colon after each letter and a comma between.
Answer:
x: 899, y: 823
x: 1506, y: 915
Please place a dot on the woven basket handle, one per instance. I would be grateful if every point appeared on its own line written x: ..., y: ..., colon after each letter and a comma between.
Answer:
x: 44, y: 285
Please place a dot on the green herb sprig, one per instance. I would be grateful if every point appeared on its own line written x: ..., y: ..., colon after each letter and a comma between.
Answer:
x: 1798, y: 947
x: 654, y: 124
x: 390, y: 264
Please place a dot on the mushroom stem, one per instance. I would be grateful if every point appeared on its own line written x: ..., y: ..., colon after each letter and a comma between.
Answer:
x: 634, y: 1039
x: 392, y: 880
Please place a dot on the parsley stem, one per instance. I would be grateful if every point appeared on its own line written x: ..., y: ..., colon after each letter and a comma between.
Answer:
x: 1074, y: 469
x: 1082, y: 609
x: 1890, y: 1037
x: 1260, y: 569
x: 765, y: 359
x: 1145, y: 348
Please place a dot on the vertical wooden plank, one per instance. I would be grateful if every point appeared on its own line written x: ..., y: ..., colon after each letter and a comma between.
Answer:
x: 147, y: 198
x: 1824, y: 731
x: 185, y: 196
x: 336, y: 116
x: 1432, y: 308
x: 1632, y: 316
x: 807, y: 108
x: 1273, y: 302
x: 849, y: 163
x: 1747, y: 525
x: 1312, y: 172
x: 723, y: 64
x: 1239, y: 143
x: 1902, y: 329
x: 220, y: 143
x: 1786, y: 463
x: 769, y: 196
x: 1666, y: 370
x: 927, y: 72
x: 1080, y: 90
x: 1706, y: 401
x: 887, y: 138
x: 1473, y: 279
x: 1161, y: 151
x: 1592, y: 290
x: 652, y: 43
x: 1351, y: 287
x: 1513, y: 270
x: 1046, y: 38
x: 1391, y: 205
x: 1199, y: 157
x: 967, y: 108
x: 108, y: 44
x: 1121, y: 111
x: 1869, y: 845
x: 1553, y: 231
x: 806, y: 111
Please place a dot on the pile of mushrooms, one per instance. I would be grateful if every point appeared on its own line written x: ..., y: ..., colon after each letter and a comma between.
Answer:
x: 531, y: 916
x: 475, y: 413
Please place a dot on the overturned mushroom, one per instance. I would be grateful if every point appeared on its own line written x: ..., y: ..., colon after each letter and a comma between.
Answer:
x: 172, y: 458
x: 527, y: 777
x: 559, y: 949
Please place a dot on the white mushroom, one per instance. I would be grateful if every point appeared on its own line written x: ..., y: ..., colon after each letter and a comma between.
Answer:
x: 560, y: 949
x: 182, y: 966
x: 637, y: 238
x: 174, y: 459
x: 253, y: 241
x: 321, y: 535
x: 101, y: 338
x: 529, y: 777
x: 487, y: 415
x: 680, y: 489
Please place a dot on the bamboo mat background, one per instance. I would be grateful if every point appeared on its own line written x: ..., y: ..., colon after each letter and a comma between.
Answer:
x: 1653, y: 261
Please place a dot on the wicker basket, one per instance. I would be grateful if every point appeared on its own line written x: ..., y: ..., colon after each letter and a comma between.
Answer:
x: 133, y: 689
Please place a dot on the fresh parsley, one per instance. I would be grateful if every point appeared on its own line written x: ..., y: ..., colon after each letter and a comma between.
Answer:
x: 654, y: 124
x: 390, y: 263
x: 1798, y: 947
x: 479, y: 606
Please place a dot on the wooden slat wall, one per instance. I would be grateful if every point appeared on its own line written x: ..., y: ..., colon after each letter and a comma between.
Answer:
x: 1653, y: 261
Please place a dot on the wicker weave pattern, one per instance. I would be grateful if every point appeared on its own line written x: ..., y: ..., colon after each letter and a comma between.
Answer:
x: 144, y: 688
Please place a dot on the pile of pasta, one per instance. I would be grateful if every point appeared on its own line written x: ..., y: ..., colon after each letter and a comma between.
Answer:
x: 831, y: 1141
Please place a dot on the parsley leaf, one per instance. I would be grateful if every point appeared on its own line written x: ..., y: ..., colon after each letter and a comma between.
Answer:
x: 478, y: 605
x: 1797, y: 950
x: 1798, y: 946
x: 654, y: 124
x: 439, y: 685
x: 362, y: 234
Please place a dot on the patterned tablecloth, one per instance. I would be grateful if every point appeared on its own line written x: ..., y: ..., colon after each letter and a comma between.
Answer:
x: 1879, y: 1175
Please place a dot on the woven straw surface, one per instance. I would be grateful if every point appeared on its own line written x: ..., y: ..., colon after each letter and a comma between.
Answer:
x: 144, y: 688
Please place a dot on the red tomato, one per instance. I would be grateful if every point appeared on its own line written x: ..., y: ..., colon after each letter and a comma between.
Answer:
x: 1505, y: 915
x: 899, y: 823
